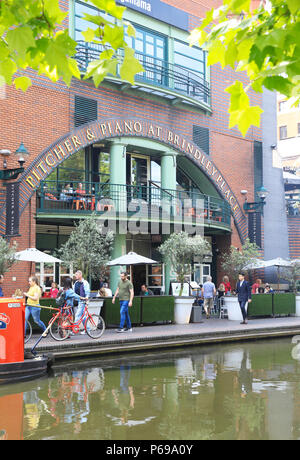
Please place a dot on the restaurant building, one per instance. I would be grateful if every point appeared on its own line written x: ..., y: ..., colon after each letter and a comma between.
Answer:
x: 142, y: 156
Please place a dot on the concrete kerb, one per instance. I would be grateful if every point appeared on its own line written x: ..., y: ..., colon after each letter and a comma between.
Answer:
x: 162, y: 337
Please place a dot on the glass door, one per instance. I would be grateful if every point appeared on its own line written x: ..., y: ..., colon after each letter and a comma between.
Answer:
x: 201, y: 273
x: 139, y: 176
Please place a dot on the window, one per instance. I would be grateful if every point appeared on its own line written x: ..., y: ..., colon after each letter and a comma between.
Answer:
x: 282, y: 132
x: 191, y: 58
x: 282, y: 106
x: 80, y: 24
x: 201, y: 138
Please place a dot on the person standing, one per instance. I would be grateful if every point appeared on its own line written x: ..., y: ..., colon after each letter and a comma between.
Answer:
x: 32, y: 305
x: 81, y: 288
x: 1, y: 282
x: 208, y: 292
x: 243, y: 289
x: 227, y: 285
x: 126, y: 294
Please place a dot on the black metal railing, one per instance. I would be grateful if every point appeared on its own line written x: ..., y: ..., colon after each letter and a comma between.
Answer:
x: 157, y: 72
x: 86, y: 197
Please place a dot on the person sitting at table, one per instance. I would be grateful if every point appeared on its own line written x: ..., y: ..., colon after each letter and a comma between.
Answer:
x: 268, y: 289
x: 80, y: 190
x: 256, y: 286
x: 145, y: 291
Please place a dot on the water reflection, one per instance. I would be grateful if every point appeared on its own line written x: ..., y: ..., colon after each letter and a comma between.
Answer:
x: 248, y: 391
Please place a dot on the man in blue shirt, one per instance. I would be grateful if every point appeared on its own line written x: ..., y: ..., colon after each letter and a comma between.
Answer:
x: 1, y: 282
x: 208, y: 292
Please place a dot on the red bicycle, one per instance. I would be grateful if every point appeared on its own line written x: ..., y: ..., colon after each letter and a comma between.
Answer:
x: 62, y: 324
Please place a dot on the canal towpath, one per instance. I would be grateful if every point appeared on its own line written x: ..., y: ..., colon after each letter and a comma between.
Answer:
x: 163, y: 336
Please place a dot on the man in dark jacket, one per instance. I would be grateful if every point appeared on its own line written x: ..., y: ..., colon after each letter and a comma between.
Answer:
x: 243, y: 290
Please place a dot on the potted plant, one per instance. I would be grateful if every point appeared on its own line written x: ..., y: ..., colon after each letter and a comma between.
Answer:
x: 233, y: 263
x: 292, y: 274
x: 178, y: 250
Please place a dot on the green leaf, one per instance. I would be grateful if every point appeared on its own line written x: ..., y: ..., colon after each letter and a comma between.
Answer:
x: 293, y: 5
x: 246, y: 117
x: 22, y: 83
x: 238, y: 97
x: 130, y: 66
x: 278, y: 83
x: 20, y: 39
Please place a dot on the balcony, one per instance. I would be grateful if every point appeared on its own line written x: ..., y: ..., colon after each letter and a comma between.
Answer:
x: 160, y: 78
x: 150, y: 203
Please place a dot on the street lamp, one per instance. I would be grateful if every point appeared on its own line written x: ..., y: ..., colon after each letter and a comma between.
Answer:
x: 257, y: 206
x: 9, y: 174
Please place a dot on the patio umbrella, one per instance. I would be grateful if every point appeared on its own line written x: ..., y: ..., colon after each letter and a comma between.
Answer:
x: 278, y: 262
x: 131, y: 259
x: 34, y: 255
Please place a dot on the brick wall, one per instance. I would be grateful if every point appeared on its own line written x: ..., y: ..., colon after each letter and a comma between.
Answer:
x: 294, y: 236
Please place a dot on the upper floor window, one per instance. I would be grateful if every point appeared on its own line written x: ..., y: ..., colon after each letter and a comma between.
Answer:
x: 189, y: 57
x: 282, y: 106
x: 282, y: 132
x: 80, y: 24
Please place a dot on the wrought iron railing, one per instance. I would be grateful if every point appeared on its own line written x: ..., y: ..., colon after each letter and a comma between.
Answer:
x: 87, y: 197
x: 157, y: 72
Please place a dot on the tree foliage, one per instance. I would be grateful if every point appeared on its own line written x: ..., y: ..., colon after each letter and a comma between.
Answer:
x: 292, y: 274
x: 179, y: 250
x: 33, y: 36
x: 263, y: 42
x: 7, y: 256
x: 87, y: 248
x: 235, y: 261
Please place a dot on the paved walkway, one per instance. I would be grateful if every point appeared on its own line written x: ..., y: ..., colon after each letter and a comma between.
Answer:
x: 167, y: 335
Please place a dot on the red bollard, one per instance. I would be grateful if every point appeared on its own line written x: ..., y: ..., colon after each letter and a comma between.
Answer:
x: 12, y: 329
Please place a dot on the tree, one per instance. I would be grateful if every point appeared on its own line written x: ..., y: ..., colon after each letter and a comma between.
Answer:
x: 7, y: 256
x: 32, y: 35
x: 292, y: 274
x: 179, y: 250
x: 235, y: 261
x: 87, y: 248
x: 263, y: 42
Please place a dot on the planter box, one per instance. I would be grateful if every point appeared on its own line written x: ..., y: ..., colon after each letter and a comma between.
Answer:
x: 284, y: 304
x: 233, y: 308
x: 183, y: 309
x: 297, y: 313
x: 95, y: 306
x: 261, y: 305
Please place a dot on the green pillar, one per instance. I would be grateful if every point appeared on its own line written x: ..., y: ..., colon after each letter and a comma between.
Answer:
x: 118, y: 251
x: 168, y: 170
x: 118, y: 195
x: 168, y: 181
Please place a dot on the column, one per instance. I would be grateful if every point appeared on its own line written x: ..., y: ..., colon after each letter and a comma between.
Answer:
x: 119, y: 249
x: 168, y: 182
x: 118, y: 175
x: 119, y: 196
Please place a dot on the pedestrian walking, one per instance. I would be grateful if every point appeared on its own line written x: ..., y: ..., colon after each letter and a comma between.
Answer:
x: 81, y: 288
x: 243, y: 289
x: 126, y: 294
x: 32, y: 304
x: 208, y: 293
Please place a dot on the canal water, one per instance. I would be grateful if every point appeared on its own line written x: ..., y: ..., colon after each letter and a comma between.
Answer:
x: 237, y: 391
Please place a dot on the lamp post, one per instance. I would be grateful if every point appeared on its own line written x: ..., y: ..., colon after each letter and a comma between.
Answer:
x: 254, y: 211
x: 10, y: 174
x: 12, y: 189
x: 257, y: 206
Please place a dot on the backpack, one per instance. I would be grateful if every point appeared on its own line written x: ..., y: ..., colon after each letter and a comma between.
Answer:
x: 61, y: 298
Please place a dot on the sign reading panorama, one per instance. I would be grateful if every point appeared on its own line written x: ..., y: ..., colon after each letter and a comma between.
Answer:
x: 159, y: 10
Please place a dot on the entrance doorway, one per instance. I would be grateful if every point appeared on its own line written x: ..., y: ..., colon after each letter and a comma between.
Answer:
x: 138, y: 176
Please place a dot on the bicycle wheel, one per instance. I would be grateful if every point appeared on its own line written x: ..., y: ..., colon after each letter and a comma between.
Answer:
x: 59, y: 329
x: 28, y: 332
x: 95, y: 326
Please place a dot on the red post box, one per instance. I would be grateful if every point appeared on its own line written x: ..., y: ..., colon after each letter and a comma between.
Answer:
x: 12, y: 325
